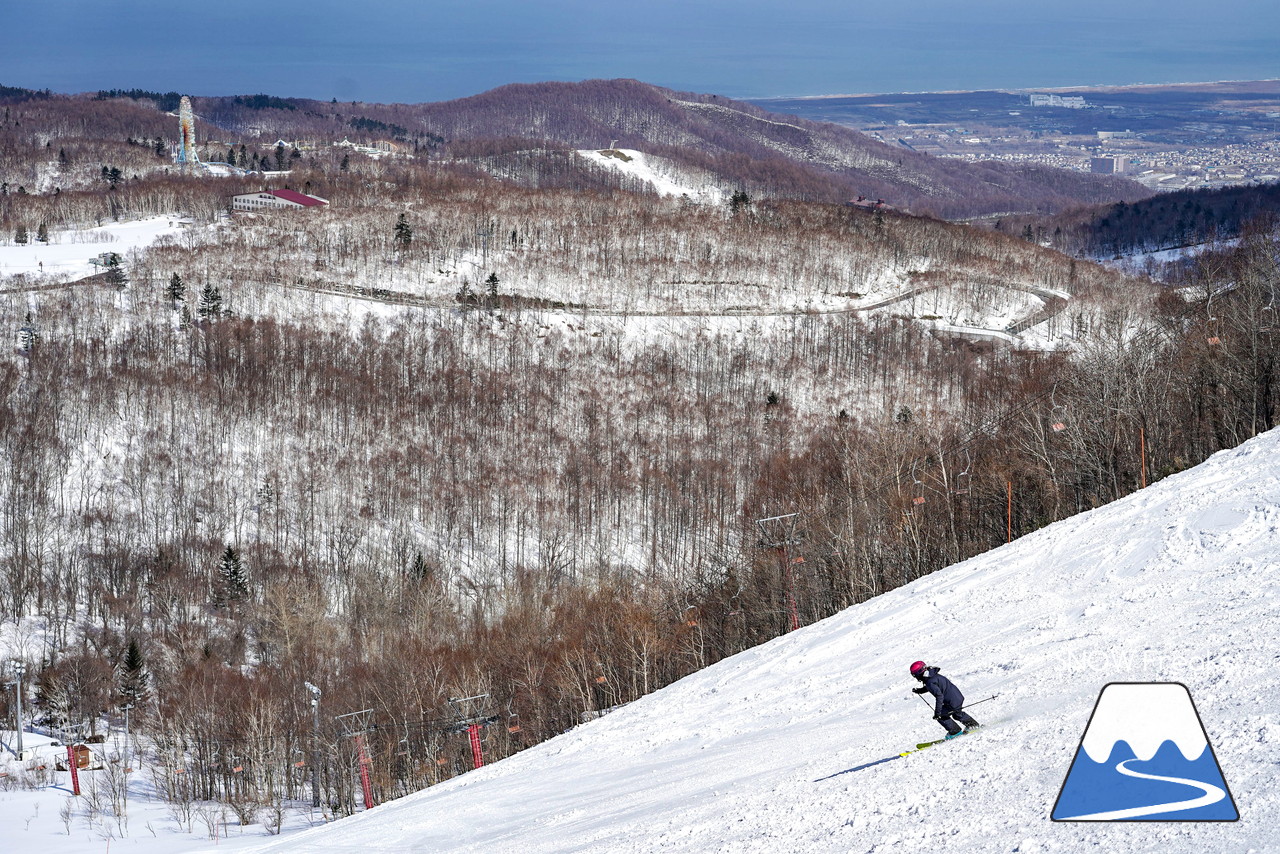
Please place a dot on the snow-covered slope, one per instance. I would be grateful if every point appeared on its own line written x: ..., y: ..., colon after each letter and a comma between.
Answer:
x: 68, y: 253
x: 793, y: 746
x: 663, y: 176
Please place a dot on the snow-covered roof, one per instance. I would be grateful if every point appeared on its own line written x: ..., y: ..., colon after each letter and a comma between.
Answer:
x: 298, y: 198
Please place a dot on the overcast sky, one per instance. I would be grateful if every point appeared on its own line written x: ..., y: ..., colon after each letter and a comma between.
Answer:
x: 430, y: 50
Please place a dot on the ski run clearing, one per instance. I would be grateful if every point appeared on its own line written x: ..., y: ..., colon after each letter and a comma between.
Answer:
x: 68, y: 254
x: 664, y: 177
x: 794, y: 745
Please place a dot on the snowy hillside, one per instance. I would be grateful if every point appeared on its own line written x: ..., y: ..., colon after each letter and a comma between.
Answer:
x: 663, y: 176
x: 793, y: 746
x: 68, y: 253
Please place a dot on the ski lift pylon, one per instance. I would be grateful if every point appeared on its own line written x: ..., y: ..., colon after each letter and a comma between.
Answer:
x: 691, y: 616
x: 1057, y: 413
x: 963, y: 478
x: 917, y: 490
x: 1212, y: 326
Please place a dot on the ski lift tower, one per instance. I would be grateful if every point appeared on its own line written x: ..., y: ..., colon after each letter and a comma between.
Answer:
x: 471, y: 716
x: 187, y: 157
x: 777, y: 533
x: 356, y: 725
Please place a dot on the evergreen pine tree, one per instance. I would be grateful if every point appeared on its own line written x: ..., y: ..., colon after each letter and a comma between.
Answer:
x: 418, y: 569
x: 133, y: 681
x: 115, y: 272
x: 210, y: 303
x: 403, y: 233
x: 346, y: 163
x: 176, y: 290
x: 235, y: 580
x: 20, y: 235
x: 42, y: 233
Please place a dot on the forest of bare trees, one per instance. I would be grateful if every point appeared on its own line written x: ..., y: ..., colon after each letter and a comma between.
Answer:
x: 555, y: 509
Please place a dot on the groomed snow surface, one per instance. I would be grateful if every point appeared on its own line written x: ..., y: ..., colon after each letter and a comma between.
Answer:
x: 664, y: 177
x: 68, y: 253
x: 793, y: 746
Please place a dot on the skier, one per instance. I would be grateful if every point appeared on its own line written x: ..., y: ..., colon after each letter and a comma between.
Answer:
x: 949, y: 702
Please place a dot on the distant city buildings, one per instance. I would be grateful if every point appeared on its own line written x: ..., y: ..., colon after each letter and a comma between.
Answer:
x: 1112, y: 165
x: 1070, y: 102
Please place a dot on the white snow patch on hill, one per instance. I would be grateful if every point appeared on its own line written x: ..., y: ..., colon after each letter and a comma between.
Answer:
x: 665, y: 178
x: 68, y: 253
x: 793, y: 745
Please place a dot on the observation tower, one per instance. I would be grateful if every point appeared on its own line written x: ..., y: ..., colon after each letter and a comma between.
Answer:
x: 187, y: 157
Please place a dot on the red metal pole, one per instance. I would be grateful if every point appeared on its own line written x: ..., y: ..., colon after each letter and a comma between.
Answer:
x: 1142, y: 445
x: 477, y: 756
x: 364, y: 773
x: 1008, y: 513
x: 789, y: 579
x: 73, y: 764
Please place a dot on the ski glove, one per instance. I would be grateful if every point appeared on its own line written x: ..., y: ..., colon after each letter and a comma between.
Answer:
x: 920, y: 690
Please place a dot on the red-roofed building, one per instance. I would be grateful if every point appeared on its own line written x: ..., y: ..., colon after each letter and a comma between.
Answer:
x: 269, y: 200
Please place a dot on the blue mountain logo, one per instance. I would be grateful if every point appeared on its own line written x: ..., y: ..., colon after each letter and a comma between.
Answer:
x: 1145, y: 756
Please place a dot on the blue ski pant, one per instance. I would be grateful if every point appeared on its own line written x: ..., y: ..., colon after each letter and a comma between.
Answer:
x: 948, y: 717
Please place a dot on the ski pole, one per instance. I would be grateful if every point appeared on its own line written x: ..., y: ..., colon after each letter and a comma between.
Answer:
x: 976, y: 702
x: 966, y: 705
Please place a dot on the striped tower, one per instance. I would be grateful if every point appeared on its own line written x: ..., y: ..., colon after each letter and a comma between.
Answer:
x: 187, y: 156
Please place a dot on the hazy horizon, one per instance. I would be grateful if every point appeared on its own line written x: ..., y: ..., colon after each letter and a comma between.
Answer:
x: 393, y: 51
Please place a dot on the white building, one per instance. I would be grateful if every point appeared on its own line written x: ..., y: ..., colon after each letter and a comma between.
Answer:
x: 1070, y: 102
x: 269, y: 200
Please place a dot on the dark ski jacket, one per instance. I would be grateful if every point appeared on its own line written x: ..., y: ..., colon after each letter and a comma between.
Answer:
x: 947, y: 696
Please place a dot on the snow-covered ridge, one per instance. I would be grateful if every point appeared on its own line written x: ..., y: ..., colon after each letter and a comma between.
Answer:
x: 720, y: 108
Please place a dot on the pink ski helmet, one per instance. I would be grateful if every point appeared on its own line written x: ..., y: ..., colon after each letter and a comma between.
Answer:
x: 916, y: 667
